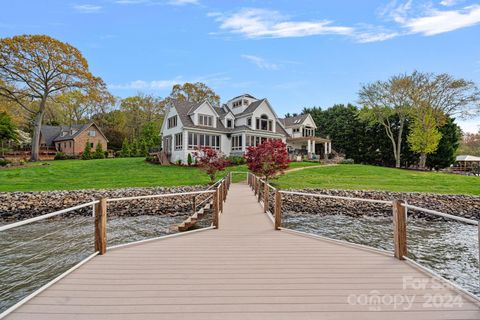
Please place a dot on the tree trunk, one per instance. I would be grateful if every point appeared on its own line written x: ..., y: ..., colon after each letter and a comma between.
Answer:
x: 37, y: 125
x: 423, y: 160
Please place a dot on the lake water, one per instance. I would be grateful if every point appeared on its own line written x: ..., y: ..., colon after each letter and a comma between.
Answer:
x: 448, y: 248
x: 34, y: 254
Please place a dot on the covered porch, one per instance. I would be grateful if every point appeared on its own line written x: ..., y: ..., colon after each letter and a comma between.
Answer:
x: 311, y: 148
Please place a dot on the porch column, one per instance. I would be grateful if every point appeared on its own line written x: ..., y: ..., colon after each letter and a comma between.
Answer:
x: 313, y: 147
x: 309, y: 149
x: 325, y: 149
x: 329, y: 147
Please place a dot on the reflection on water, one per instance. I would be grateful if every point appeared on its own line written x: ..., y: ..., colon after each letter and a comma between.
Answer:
x: 448, y: 248
x: 34, y: 254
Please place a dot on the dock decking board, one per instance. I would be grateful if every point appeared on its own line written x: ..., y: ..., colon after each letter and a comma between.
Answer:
x: 243, y: 270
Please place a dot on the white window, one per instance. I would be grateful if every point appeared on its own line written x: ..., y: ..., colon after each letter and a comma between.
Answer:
x: 229, y: 123
x: 249, y: 122
x: 92, y: 133
x: 308, y: 132
x: 205, y: 120
x: 172, y: 122
x: 197, y: 140
x: 179, y: 141
x: 237, y: 143
x: 263, y: 123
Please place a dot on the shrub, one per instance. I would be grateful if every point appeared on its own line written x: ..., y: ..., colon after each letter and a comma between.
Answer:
x: 179, y: 162
x: 189, y: 159
x: 210, y: 161
x: 60, y: 156
x: 99, y: 153
x: 347, y: 161
x: 4, y: 162
x: 87, y: 152
x: 236, y: 160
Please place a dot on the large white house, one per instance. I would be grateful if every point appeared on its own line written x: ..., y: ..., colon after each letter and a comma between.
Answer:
x: 241, y: 122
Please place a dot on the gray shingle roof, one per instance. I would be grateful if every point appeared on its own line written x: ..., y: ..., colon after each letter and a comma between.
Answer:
x: 291, y: 121
x: 51, y: 134
x: 78, y: 128
x: 184, y: 107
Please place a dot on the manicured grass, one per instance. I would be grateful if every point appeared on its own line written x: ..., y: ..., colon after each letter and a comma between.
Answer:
x: 107, y: 173
x: 361, y: 177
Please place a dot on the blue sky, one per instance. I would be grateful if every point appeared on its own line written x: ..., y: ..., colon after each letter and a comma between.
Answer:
x: 295, y: 53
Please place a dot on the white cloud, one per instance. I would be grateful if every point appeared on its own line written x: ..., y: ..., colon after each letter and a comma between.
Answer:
x: 437, y: 21
x: 449, y: 3
x: 260, y: 62
x: 87, y: 8
x: 262, y: 23
x: 145, y: 85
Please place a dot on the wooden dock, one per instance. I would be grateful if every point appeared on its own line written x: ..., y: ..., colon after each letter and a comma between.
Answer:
x: 246, y: 270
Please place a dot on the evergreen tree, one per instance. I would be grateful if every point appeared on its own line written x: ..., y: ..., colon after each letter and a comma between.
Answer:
x: 447, y: 147
x: 99, y: 153
x: 125, y: 148
x: 87, y: 152
x: 134, y: 148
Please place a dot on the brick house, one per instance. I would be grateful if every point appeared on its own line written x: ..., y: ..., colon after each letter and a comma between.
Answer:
x: 72, y: 140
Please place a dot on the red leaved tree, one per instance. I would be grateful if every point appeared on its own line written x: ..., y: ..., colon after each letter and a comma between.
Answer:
x: 210, y: 161
x: 267, y: 159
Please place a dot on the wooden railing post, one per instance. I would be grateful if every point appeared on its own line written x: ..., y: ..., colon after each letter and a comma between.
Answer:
x: 265, y: 197
x: 220, y: 197
x: 194, y: 204
x: 400, y: 229
x: 278, y: 210
x: 101, y: 226
x: 224, y: 190
x: 215, y: 209
x: 259, y: 194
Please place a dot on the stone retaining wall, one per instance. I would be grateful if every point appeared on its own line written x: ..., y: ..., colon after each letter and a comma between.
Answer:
x: 459, y: 205
x: 22, y: 205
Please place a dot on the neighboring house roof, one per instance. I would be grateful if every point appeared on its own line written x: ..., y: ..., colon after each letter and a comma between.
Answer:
x: 78, y: 128
x: 291, y: 121
x: 279, y: 129
x: 468, y: 158
x: 53, y: 134
x: 49, y: 133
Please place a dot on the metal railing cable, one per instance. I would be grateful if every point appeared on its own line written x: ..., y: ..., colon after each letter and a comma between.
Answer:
x: 46, y: 216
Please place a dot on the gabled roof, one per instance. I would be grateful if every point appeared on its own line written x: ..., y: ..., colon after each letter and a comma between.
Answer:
x: 78, y: 128
x: 292, y: 121
x: 53, y: 134
x: 243, y: 95
x: 183, y: 109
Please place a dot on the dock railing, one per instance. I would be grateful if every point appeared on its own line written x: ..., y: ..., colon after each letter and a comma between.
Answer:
x: 399, y: 212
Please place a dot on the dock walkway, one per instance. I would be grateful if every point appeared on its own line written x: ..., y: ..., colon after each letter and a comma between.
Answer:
x: 246, y: 270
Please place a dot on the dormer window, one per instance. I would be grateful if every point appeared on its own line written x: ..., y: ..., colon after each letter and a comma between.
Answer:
x: 263, y: 123
x: 205, y: 120
x: 63, y: 134
x: 229, y: 123
x: 72, y: 132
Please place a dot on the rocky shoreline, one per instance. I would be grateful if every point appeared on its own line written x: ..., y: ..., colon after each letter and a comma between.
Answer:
x: 459, y: 205
x: 16, y: 206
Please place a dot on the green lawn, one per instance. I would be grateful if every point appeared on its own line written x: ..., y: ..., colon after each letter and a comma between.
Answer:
x: 361, y: 177
x: 107, y: 173
x: 135, y: 172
